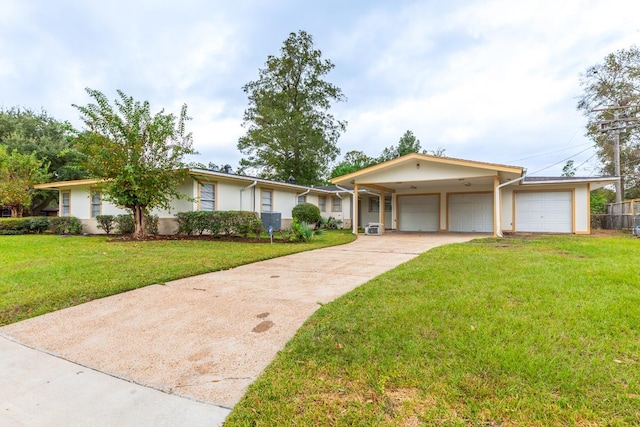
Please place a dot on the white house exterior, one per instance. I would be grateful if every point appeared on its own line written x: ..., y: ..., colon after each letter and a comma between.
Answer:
x: 206, y: 190
x: 413, y: 193
x: 425, y: 193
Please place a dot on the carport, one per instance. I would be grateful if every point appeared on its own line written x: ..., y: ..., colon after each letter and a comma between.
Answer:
x: 423, y: 193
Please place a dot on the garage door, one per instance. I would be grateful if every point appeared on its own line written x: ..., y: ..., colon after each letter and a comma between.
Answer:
x: 471, y: 213
x: 418, y: 213
x: 544, y: 212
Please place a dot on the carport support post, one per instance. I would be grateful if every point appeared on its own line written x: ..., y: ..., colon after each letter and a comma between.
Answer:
x: 354, y: 202
x: 381, y: 210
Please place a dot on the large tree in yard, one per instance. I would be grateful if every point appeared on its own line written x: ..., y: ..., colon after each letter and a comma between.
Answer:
x: 18, y: 174
x: 50, y: 140
x: 139, y: 155
x: 610, y: 102
x: 290, y: 131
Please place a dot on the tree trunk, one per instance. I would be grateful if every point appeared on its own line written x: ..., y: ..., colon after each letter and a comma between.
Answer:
x: 16, y: 211
x: 138, y: 220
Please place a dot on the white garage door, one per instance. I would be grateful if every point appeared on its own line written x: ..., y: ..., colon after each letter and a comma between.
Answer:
x: 471, y: 213
x: 418, y: 213
x: 544, y: 212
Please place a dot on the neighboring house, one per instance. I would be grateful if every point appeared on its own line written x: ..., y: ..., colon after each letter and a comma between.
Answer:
x: 416, y: 192
x: 206, y: 191
x: 419, y: 192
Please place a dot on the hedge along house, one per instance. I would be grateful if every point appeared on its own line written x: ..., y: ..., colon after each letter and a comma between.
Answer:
x: 418, y: 192
x: 206, y: 190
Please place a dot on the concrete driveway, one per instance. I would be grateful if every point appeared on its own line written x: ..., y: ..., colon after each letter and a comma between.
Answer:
x: 197, y: 342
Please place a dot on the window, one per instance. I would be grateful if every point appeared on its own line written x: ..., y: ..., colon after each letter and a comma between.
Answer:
x: 65, y: 203
x: 207, y: 197
x: 267, y: 201
x: 387, y: 204
x: 336, y: 204
x: 96, y: 204
x: 322, y: 203
x: 302, y: 199
x: 374, y: 204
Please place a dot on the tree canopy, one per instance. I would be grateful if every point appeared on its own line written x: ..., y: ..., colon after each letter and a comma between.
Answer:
x: 353, y: 161
x: 18, y: 174
x: 138, y: 154
x: 50, y: 140
x: 290, y: 131
x: 611, y: 90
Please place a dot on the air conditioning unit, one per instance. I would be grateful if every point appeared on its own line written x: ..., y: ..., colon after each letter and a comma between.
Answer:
x: 374, y: 229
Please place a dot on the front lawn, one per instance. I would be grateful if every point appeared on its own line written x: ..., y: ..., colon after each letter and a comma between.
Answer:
x: 39, y: 274
x: 541, y: 331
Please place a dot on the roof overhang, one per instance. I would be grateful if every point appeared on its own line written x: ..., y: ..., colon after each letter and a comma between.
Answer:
x: 594, y: 182
x: 68, y: 184
x: 423, y: 173
x: 248, y: 180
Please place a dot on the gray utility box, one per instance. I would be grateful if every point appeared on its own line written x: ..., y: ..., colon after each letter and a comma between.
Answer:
x: 271, y: 219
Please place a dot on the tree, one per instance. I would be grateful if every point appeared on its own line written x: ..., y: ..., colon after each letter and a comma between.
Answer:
x: 353, y: 161
x: 290, y: 131
x: 138, y: 155
x: 407, y: 144
x: 51, y: 141
x: 615, y: 83
x: 18, y: 174
x: 569, y: 169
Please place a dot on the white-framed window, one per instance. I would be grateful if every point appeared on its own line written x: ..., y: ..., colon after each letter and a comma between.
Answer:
x: 207, y: 197
x: 322, y: 203
x: 96, y: 204
x: 302, y: 199
x: 336, y: 204
x: 374, y: 204
x: 65, y: 203
x: 387, y: 204
x: 267, y: 201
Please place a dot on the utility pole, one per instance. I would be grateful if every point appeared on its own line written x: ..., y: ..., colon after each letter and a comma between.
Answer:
x: 618, y: 125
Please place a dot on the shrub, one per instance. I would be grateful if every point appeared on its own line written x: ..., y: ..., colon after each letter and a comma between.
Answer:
x: 228, y: 223
x: 125, y: 224
x: 151, y: 224
x: 185, y: 223
x: 307, y: 212
x: 65, y: 225
x: 191, y: 223
x: 330, y: 223
x: 14, y: 226
x: 301, y: 231
x: 38, y: 224
x: 248, y: 223
x: 106, y: 223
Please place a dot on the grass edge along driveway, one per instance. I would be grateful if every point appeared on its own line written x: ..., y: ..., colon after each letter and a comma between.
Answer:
x: 541, y: 331
x: 44, y: 273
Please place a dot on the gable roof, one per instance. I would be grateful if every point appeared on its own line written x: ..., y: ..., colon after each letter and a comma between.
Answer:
x: 428, y: 159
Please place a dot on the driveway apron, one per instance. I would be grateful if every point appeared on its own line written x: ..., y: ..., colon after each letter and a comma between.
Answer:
x: 202, y: 339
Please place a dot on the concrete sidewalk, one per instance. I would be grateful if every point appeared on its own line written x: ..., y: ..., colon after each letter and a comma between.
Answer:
x: 184, y: 352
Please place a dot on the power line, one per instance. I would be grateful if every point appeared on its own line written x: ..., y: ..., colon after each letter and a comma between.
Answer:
x: 561, y: 161
x: 549, y: 153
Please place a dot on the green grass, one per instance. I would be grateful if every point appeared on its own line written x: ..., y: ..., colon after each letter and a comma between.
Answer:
x: 40, y: 274
x: 540, y: 331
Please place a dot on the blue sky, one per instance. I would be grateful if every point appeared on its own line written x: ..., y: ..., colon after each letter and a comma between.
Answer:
x: 487, y: 80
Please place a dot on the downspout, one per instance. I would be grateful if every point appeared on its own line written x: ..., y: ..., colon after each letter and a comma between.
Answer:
x: 246, y: 188
x: 353, y: 205
x: 498, y: 204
